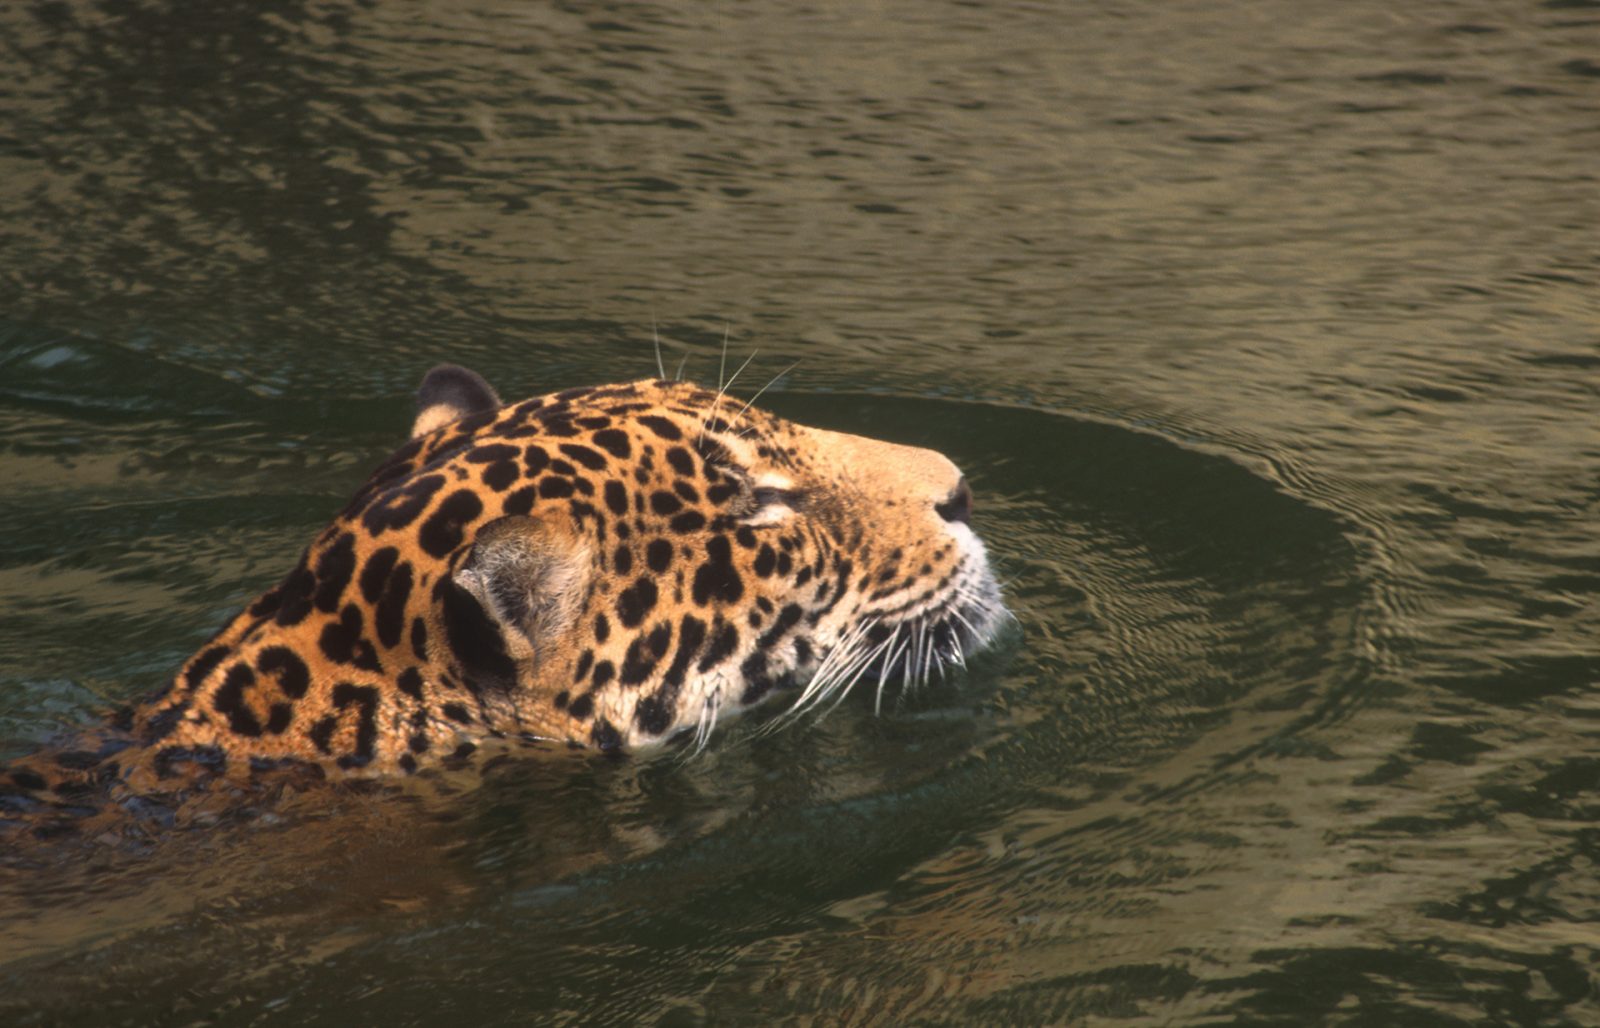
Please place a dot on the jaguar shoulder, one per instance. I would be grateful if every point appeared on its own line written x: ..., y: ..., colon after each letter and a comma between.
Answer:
x: 608, y: 566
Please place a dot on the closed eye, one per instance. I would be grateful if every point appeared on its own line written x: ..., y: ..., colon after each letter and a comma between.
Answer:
x: 768, y: 496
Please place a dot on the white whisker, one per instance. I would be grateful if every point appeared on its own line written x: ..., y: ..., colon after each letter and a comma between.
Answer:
x: 926, y: 638
x: 818, y: 682
x: 716, y: 404
x: 955, y: 612
x: 770, y: 383
x: 914, y: 638
x: 883, y: 674
x: 708, y: 719
x: 841, y: 656
x: 917, y: 674
x: 853, y: 659
x: 861, y: 669
x: 740, y: 371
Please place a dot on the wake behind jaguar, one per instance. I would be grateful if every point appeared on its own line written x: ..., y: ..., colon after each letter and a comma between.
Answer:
x: 610, y: 567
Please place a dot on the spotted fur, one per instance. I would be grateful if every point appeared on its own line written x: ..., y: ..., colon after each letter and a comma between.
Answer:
x: 609, y: 566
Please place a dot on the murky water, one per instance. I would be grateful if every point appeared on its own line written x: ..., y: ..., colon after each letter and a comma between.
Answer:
x: 1269, y: 335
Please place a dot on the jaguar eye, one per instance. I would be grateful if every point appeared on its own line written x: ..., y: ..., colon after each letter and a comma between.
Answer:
x: 768, y: 496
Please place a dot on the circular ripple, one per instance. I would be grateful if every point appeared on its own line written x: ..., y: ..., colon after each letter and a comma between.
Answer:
x: 1176, y: 613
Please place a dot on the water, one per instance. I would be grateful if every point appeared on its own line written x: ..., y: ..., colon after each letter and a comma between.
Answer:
x: 1268, y: 335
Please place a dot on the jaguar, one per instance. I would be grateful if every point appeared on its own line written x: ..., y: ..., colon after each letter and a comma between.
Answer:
x: 608, y: 567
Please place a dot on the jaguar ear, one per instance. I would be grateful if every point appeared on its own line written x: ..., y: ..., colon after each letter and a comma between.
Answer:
x: 449, y: 392
x: 528, y: 577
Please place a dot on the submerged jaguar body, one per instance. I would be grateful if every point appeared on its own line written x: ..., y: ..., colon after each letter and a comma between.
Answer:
x: 610, y: 567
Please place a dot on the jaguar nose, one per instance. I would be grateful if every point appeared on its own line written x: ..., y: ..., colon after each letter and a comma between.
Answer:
x: 958, y: 505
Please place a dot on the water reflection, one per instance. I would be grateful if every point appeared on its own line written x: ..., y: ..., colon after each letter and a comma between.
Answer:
x: 227, y: 155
